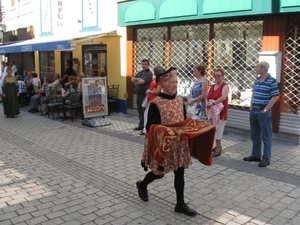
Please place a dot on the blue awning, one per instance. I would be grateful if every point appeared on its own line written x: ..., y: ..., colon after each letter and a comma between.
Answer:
x: 37, y: 44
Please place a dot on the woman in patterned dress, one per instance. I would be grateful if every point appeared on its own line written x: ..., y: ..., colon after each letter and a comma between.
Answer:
x: 198, y: 91
x: 167, y: 108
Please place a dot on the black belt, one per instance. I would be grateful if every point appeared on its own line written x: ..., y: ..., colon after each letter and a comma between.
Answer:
x: 258, y: 108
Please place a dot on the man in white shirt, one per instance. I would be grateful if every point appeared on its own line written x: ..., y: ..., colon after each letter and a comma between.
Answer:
x: 13, y: 67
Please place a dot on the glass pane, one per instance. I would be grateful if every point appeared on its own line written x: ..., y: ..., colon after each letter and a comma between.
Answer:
x: 95, y: 61
x: 47, y: 65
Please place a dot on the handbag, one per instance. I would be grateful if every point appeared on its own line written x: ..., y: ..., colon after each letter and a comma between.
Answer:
x: 191, y: 109
x: 145, y: 102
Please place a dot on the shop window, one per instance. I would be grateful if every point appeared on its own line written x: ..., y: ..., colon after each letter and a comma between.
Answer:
x: 233, y: 45
x: 47, y: 65
x: 290, y: 101
x: 95, y: 61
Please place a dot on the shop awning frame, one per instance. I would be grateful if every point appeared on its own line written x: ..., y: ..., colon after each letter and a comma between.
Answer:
x: 50, y: 43
x: 37, y: 44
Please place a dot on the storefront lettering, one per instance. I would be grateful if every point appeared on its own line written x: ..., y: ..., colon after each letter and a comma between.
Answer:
x: 60, y: 14
x: 26, y: 48
x: 60, y: 47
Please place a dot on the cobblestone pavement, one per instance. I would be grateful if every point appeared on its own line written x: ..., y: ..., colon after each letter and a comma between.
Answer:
x: 54, y: 172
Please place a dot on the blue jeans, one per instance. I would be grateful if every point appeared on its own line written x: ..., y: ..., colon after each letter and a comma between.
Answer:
x: 261, y: 131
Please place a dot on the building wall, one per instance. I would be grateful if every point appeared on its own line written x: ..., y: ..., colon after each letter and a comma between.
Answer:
x: 169, y: 36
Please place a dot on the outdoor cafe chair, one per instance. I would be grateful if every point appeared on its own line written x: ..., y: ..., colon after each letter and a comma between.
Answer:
x: 55, y: 101
x: 112, y: 97
x: 73, y: 104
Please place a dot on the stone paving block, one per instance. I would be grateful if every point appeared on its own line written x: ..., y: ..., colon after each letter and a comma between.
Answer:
x: 106, y: 219
x: 22, y: 218
x: 71, y: 216
x: 242, y: 219
x: 11, y: 208
x: 88, y: 210
x: 8, y: 216
x: 73, y: 222
x: 287, y: 213
x: 279, y: 220
x: 37, y: 220
x: 40, y: 212
x: 224, y: 218
x: 5, y: 199
x: 87, y: 218
x: 27, y: 209
x: 235, y: 223
x: 72, y: 209
x: 16, y: 201
x: 54, y: 222
x: 8, y: 222
x: 56, y: 214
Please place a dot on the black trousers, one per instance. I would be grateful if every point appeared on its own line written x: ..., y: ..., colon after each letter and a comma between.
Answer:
x: 178, y: 183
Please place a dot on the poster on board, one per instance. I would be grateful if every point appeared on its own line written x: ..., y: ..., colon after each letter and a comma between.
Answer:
x: 94, y: 97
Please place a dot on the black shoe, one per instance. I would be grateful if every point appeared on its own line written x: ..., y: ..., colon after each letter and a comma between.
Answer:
x: 30, y: 110
x: 263, y: 163
x: 138, y: 128
x: 185, y: 210
x: 142, y: 193
x: 216, y: 154
x: 34, y: 111
x: 142, y: 133
x: 252, y: 159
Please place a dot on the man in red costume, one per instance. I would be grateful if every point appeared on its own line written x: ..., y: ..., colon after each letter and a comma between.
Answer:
x: 169, y: 147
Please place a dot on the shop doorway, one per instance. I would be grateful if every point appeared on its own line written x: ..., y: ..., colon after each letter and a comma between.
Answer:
x: 65, y: 55
x: 95, y: 60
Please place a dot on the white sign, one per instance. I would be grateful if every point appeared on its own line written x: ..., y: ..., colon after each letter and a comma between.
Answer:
x: 46, y: 16
x: 90, y: 13
x: 274, y: 60
x: 94, y: 96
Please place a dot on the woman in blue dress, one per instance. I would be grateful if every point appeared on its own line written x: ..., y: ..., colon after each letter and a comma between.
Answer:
x: 198, y: 92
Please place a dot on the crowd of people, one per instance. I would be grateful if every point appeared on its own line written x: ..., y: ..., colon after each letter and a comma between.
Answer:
x: 164, y: 110
x: 208, y: 101
x: 14, y: 86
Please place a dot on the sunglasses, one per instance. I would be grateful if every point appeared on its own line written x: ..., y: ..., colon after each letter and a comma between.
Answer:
x: 217, y: 75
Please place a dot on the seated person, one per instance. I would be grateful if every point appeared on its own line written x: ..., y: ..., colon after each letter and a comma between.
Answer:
x: 22, y: 86
x: 36, y: 81
x: 46, y: 99
x: 79, y: 82
x: 56, y: 78
x: 73, y: 88
x: 65, y: 95
x: 71, y: 78
x: 34, y: 100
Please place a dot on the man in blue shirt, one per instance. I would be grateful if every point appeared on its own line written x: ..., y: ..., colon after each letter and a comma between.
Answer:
x: 265, y: 92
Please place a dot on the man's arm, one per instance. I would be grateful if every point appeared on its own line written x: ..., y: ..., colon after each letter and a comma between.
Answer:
x: 271, y: 103
x: 138, y: 81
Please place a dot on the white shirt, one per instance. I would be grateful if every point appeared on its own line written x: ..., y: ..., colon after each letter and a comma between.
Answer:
x: 36, y: 81
x: 14, y: 69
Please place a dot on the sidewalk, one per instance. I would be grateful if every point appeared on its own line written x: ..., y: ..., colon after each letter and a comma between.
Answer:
x: 63, y: 172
